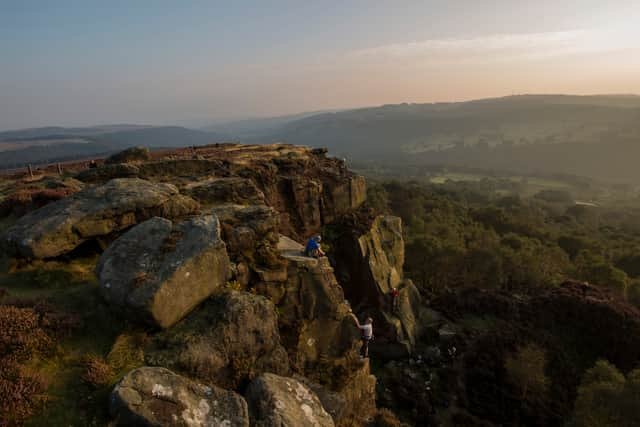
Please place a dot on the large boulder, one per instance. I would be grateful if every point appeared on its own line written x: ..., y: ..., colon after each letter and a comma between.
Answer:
x: 227, y: 341
x: 333, y: 402
x: 108, y: 172
x: 280, y: 401
x: 157, y: 397
x: 351, y: 402
x: 161, y: 270
x: 60, y: 227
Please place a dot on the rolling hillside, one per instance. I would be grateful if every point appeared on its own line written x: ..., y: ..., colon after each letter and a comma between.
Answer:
x: 596, y: 136
x: 43, y: 145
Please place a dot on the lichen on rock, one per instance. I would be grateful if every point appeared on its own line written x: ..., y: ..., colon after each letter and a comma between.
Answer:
x: 151, y: 396
x: 281, y: 401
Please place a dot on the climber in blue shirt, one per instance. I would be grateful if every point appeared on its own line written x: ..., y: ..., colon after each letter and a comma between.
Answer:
x: 313, y: 248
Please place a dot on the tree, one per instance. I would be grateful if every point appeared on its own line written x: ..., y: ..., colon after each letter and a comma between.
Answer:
x: 526, y: 370
x: 607, y: 399
x: 596, y: 269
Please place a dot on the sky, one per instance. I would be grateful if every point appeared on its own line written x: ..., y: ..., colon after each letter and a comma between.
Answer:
x: 75, y: 63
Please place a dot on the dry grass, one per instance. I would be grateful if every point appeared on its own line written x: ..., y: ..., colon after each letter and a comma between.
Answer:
x: 96, y: 371
x: 127, y: 352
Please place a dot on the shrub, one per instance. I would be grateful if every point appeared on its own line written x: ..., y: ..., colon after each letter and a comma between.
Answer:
x: 55, y: 323
x: 26, y: 199
x: 97, y: 372
x: 20, y: 333
x: 233, y: 285
x: 127, y: 352
x: 21, y: 391
x: 24, y: 333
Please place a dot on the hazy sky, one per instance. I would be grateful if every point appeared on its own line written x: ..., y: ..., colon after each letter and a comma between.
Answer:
x: 162, y: 62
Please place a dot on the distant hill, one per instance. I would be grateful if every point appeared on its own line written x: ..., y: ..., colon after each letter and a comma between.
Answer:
x: 592, y: 134
x: 257, y: 127
x: 412, y: 128
x: 43, y: 145
x: 31, y: 133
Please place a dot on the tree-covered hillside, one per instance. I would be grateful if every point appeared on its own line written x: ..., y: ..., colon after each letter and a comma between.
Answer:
x: 471, y: 234
x: 593, y: 136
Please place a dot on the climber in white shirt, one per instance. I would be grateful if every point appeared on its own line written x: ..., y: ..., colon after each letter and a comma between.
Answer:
x: 367, y: 334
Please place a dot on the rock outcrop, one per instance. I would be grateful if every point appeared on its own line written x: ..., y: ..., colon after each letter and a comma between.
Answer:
x: 305, y: 187
x: 251, y: 233
x: 321, y: 336
x: 107, y: 172
x: 369, y: 264
x: 60, y: 227
x: 157, y: 397
x: 280, y: 401
x: 313, y: 308
x: 228, y: 341
x: 161, y: 270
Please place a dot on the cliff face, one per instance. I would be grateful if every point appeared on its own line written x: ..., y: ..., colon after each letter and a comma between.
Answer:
x: 207, y: 245
x: 369, y: 256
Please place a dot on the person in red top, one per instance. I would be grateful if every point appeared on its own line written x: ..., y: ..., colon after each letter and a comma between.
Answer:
x: 394, y: 300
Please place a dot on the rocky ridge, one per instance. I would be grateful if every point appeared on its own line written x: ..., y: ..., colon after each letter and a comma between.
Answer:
x: 207, y: 247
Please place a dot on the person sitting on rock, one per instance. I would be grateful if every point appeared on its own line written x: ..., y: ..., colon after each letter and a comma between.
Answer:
x: 313, y: 248
x: 367, y: 334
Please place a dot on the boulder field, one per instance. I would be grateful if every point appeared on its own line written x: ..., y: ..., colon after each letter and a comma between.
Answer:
x: 204, y: 250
